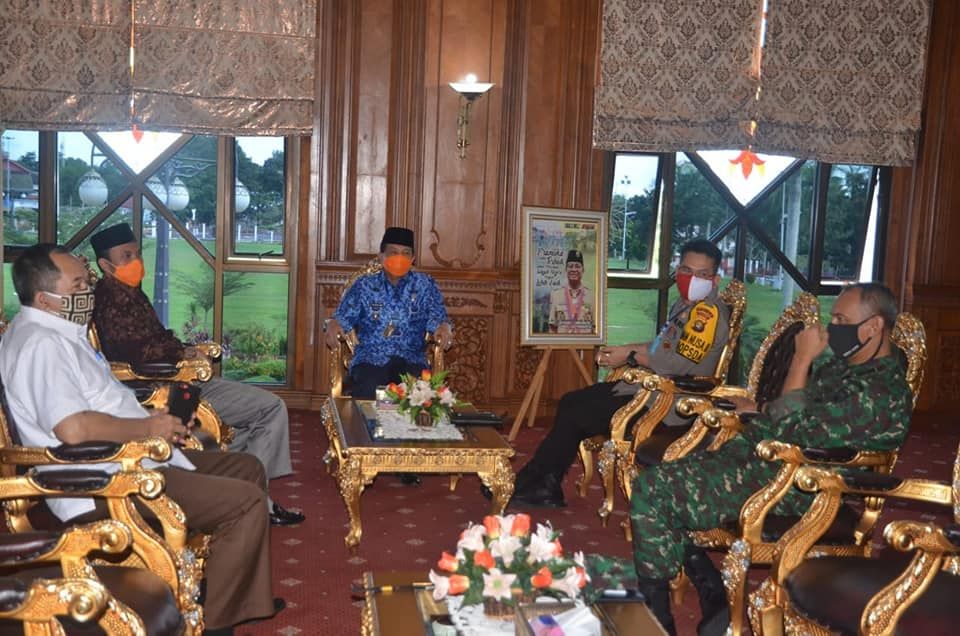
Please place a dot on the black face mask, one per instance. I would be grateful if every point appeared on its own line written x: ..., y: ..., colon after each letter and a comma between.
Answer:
x: 843, y: 339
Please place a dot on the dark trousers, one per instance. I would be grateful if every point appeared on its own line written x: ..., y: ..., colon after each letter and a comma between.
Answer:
x: 224, y: 497
x: 581, y: 414
x: 365, y: 378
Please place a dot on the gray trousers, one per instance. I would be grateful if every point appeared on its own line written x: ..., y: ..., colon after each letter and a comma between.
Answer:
x: 259, y: 420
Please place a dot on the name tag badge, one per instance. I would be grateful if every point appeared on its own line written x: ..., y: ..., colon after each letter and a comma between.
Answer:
x: 699, y: 332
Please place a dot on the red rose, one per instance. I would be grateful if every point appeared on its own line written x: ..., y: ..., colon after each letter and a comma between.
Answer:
x: 484, y: 559
x: 543, y: 578
x: 521, y: 525
x: 448, y: 562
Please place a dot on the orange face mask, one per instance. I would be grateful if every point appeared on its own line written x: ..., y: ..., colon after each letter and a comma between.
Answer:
x: 397, y: 265
x: 129, y: 273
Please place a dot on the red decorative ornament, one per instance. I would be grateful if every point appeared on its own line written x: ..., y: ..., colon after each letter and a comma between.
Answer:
x: 137, y: 133
x: 747, y: 160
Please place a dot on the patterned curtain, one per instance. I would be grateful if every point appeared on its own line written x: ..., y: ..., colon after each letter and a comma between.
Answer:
x: 674, y: 74
x: 227, y: 67
x: 63, y: 62
x: 843, y: 81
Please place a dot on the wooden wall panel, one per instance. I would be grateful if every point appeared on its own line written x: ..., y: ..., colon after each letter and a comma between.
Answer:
x: 923, y: 262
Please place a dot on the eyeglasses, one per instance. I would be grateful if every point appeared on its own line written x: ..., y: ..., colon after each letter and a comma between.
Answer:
x: 700, y: 273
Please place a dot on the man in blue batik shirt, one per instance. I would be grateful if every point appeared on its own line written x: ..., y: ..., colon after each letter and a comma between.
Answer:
x: 391, y: 313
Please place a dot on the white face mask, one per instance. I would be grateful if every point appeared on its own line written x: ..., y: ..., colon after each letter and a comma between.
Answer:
x: 699, y: 289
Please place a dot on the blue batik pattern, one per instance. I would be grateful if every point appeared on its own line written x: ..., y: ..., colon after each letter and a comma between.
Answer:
x: 414, y: 306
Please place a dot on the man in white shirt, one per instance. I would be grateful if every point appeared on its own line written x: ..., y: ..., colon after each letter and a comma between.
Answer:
x: 60, y: 390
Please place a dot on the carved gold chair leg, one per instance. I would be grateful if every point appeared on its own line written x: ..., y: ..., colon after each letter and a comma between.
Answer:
x: 607, y: 466
x: 678, y: 588
x: 736, y: 563
x: 586, y: 459
x: 454, y: 480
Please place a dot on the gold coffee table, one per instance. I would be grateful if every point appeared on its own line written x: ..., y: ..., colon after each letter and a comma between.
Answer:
x: 355, y: 459
x: 406, y: 611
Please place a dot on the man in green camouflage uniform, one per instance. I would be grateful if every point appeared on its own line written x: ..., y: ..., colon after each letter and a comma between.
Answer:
x: 858, y: 399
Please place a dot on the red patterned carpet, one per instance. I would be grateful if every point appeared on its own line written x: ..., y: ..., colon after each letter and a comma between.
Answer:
x: 406, y: 527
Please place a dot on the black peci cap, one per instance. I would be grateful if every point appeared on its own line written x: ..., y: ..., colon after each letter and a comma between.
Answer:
x: 111, y: 237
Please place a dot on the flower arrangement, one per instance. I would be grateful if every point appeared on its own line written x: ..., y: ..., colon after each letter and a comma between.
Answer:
x: 502, y: 560
x: 428, y: 395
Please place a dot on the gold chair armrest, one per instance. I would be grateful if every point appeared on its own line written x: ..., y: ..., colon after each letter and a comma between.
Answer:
x: 196, y: 369
x: 211, y: 350
x: 77, y: 543
x: 932, y: 548
x: 129, y: 455
x: 729, y: 391
x: 817, y: 479
x: 83, y: 600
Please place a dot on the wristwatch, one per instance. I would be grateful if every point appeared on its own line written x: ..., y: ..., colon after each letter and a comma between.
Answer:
x: 632, y: 359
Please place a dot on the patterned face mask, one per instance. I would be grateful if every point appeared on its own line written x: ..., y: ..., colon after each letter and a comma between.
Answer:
x: 76, y: 307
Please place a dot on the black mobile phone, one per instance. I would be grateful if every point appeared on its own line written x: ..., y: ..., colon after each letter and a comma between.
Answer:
x: 183, y: 401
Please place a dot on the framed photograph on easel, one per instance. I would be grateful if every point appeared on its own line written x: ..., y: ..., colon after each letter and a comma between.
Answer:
x: 563, y: 277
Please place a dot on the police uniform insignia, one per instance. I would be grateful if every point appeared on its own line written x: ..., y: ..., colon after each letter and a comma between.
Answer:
x: 699, y: 332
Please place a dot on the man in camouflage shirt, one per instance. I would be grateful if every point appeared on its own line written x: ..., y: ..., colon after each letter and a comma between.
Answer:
x: 860, y: 398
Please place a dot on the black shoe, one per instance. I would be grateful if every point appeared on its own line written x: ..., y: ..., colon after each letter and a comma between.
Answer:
x: 545, y: 493
x: 280, y: 516
x: 707, y: 580
x: 656, y: 593
x: 409, y: 479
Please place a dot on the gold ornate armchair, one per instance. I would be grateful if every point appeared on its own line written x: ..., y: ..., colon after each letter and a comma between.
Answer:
x: 764, y: 381
x: 151, y: 382
x: 342, y: 355
x: 166, y: 550
x: 38, y: 604
x: 810, y: 593
x: 758, y: 536
x: 121, y: 600
x: 734, y: 295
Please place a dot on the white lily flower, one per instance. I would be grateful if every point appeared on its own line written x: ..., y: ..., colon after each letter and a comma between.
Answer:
x: 447, y: 398
x: 441, y: 585
x: 506, y: 523
x: 472, y: 539
x: 580, y: 560
x: 542, y: 546
x: 505, y: 547
x: 496, y: 584
x: 568, y: 584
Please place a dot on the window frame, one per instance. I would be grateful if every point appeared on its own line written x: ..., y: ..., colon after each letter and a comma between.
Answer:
x: 221, y: 261
x: 743, y: 225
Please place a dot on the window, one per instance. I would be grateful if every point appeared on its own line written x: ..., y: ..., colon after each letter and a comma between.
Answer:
x: 230, y: 286
x: 783, y: 226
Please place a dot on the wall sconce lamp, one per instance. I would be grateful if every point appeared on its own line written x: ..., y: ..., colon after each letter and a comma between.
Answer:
x: 469, y: 90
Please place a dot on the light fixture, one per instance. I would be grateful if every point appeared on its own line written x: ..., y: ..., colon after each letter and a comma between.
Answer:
x: 469, y: 90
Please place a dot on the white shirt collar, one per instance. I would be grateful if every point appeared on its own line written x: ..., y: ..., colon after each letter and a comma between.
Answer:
x: 51, y: 321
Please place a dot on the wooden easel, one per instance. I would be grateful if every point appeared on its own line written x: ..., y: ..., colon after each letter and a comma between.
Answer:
x: 531, y: 399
